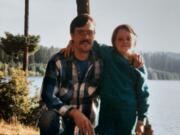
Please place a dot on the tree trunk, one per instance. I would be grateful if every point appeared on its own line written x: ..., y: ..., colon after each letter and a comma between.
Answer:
x: 82, y: 7
x: 26, y: 29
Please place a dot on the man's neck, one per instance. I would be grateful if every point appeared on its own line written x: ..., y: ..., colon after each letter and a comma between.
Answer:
x: 81, y: 55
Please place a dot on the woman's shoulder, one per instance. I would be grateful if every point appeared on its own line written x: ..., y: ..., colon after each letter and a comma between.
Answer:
x: 103, y: 49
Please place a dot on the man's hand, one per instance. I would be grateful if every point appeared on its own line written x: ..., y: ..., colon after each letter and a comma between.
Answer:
x: 68, y: 50
x: 137, y: 60
x: 139, y: 128
x: 82, y: 122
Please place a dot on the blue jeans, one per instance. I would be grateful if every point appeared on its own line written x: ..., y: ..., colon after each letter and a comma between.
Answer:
x: 50, y: 123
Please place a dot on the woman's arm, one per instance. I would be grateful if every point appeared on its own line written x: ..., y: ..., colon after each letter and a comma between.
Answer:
x: 142, y: 93
x: 101, y: 49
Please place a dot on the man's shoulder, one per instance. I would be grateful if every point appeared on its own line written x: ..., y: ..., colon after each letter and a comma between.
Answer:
x: 56, y: 57
x: 59, y: 60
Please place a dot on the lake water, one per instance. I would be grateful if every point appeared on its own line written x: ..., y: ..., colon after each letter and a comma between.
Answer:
x: 164, y: 114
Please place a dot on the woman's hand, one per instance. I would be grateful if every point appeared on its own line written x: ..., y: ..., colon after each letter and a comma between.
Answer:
x: 137, y: 60
x: 68, y: 50
x: 139, y: 128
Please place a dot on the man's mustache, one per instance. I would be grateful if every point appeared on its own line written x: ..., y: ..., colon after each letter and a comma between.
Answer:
x: 85, y: 41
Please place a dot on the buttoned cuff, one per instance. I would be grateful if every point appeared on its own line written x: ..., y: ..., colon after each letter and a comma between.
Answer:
x: 65, y: 109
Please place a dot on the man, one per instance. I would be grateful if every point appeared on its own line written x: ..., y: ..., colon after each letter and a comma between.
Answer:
x: 70, y: 85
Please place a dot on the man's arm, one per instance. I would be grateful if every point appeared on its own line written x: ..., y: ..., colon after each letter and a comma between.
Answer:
x: 50, y: 88
x: 101, y: 49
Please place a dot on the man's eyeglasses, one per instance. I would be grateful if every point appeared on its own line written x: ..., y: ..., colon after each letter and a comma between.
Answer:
x: 85, y: 32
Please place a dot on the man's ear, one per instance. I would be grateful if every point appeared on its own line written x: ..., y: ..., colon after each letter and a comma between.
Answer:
x: 71, y: 42
x: 71, y: 36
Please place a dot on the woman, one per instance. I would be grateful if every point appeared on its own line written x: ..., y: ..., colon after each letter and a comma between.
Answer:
x: 123, y: 88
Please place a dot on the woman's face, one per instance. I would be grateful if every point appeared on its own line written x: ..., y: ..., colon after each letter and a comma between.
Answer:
x: 124, y: 41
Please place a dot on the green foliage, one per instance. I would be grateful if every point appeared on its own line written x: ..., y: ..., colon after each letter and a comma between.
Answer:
x: 1, y: 66
x: 14, y: 99
x: 1, y: 75
x: 34, y: 113
x: 43, y: 54
x: 15, y: 44
x: 38, y: 68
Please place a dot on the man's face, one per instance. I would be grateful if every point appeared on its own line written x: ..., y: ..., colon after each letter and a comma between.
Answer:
x: 83, y: 37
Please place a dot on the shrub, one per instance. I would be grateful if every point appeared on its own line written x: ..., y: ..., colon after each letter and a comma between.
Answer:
x: 14, y: 99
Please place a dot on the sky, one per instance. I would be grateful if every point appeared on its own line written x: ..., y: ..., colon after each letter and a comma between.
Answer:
x: 156, y: 22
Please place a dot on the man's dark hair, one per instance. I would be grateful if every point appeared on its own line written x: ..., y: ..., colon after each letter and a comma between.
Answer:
x: 80, y: 21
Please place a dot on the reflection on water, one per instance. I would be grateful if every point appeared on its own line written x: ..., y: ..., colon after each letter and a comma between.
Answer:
x: 164, y: 98
x: 164, y: 113
x: 35, y: 85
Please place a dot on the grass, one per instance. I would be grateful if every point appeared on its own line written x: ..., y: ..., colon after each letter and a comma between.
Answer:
x: 16, y: 129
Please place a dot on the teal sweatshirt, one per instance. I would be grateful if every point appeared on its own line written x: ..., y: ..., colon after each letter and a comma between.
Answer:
x: 122, y: 87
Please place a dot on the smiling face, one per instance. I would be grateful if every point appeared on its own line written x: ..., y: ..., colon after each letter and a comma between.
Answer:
x: 124, y: 41
x: 83, y: 37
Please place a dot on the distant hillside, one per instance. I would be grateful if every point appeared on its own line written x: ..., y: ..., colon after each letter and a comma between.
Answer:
x: 160, y: 65
x: 154, y: 74
x: 163, y: 65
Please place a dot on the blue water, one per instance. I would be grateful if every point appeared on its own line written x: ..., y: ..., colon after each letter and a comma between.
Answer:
x: 164, y: 112
x: 35, y: 85
x: 164, y: 100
